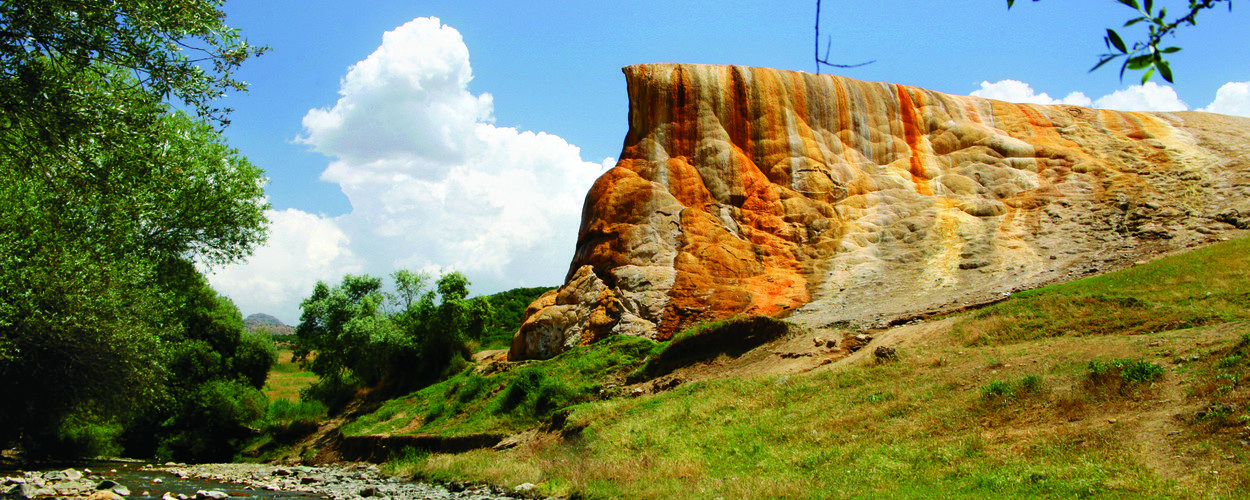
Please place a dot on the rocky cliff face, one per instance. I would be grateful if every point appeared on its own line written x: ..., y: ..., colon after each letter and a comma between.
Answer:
x: 843, y: 202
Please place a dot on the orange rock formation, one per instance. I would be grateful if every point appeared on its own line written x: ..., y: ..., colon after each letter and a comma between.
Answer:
x: 838, y: 201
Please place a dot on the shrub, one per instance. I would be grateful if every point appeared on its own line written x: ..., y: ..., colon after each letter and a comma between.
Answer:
x: 80, y: 436
x: 213, y: 422
x: 551, y: 396
x: 255, y: 355
x: 1230, y: 361
x: 999, y: 389
x: 1031, y: 384
x: 472, y: 386
x: 1121, y: 375
x: 436, y: 412
x: 334, y: 393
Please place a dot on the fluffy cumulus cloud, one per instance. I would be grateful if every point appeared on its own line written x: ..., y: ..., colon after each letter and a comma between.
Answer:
x: 1232, y: 99
x: 433, y: 182
x: 1018, y: 91
x: 1148, y: 97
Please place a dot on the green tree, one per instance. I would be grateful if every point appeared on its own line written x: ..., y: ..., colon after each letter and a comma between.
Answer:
x: 1148, y: 55
x: 88, y: 221
x: 507, y: 309
x: 211, y: 398
x: 173, y: 50
x: 354, y: 335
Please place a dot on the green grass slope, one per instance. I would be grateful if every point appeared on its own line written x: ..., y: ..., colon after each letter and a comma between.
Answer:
x: 1126, y: 385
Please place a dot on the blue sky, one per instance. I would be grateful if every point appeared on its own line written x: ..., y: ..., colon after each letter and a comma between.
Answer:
x: 468, y: 142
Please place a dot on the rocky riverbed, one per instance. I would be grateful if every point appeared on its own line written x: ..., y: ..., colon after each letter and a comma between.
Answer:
x: 223, y: 481
x: 350, y: 482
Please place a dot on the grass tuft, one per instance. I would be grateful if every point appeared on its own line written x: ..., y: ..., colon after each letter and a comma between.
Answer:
x: 1002, y: 391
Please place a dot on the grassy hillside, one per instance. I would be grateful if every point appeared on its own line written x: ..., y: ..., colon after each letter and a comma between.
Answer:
x: 1122, y: 385
x: 512, y: 400
x: 286, y: 378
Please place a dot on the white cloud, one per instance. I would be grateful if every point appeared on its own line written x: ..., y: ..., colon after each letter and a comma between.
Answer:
x: 1018, y: 91
x: 1148, y: 97
x: 433, y: 183
x: 302, y: 249
x: 1232, y: 99
x: 405, y: 108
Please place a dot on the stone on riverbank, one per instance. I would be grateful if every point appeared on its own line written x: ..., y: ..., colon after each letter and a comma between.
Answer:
x: 105, y: 495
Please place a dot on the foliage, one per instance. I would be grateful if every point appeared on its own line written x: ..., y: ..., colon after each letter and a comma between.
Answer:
x: 83, y: 435
x: 211, y: 422
x: 72, y: 335
x: 1122, y: 376
x: 1130, y: 371
x: 514, y: 399
x: 506, y: 311
x: 181, y: 50
x: 173, y: 188
x: 1147, y: 55
x: 354, y: 335
x: 907, y: 429
x: 81, y: 247
x: 110, y: 195
x: 876, y: 431
x: 211, y: 400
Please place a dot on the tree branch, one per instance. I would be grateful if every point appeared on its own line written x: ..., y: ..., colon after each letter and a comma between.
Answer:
x: 825, y: 61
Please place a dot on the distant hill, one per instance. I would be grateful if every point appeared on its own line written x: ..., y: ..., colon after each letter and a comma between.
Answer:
x: 267, y: 323
x: 262, y: 319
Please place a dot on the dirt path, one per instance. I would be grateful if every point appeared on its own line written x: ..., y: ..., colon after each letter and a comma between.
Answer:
x: 1159, y: 435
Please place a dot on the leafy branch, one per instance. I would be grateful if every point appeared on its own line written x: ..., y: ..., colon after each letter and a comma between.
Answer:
x: 1147, y: 55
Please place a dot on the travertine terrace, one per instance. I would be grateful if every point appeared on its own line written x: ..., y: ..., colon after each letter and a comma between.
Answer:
x: 835, y: 201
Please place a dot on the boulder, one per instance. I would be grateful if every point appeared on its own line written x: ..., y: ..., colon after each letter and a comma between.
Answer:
x: 105, y: 495
x: 110, y: 485
x: 22, y: 491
